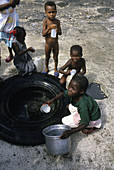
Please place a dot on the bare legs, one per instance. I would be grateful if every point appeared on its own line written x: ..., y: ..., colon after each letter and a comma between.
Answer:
x: 55, y: 49
x: 89, y: 130
x: 55, y: 55
x: 8, y: 59
x: 47, y: 53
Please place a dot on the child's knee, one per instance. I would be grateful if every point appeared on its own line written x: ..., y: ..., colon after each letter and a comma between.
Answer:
x: 62, y: 81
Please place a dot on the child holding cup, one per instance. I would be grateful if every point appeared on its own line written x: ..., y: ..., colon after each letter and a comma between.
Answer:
x: 51, y: 30
x: 75, y: 65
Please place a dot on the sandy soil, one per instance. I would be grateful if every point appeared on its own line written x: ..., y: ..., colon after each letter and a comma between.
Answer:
x: 91, y: 25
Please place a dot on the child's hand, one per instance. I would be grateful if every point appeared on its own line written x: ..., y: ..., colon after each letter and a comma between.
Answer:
x: 56, y: 30
x: 31, y: 49
x: 68, y: 72
x: 66, y: 134
x: 53, y: 26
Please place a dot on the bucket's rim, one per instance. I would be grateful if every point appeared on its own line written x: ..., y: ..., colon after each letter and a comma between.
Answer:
x: 57, y: 125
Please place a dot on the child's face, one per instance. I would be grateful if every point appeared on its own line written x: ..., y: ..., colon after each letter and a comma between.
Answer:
x: 50, y: 12
x: 74, y: 89
x: 75, y: 56
x: 21, y: 36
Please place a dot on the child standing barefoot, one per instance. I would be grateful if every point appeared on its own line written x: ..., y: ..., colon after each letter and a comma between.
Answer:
x: 8, y: 20
x: 51, y: 24
x: 87, y: 119
x: 76, y: 62
x: 22, y: 60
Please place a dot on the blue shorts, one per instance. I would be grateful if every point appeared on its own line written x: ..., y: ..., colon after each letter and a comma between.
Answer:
x: 5, y: 37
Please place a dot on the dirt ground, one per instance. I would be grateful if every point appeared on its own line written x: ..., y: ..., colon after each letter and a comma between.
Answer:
x: 91, y: 25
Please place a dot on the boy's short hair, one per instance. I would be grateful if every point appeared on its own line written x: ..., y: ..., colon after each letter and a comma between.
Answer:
x: 76, y: 48
x: 82, y: 81
x: 49, y: 3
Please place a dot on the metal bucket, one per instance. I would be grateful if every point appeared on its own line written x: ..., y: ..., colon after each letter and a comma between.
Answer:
x: 54, y: 144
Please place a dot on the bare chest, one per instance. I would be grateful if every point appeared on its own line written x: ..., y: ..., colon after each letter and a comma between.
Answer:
x: 78, y: 65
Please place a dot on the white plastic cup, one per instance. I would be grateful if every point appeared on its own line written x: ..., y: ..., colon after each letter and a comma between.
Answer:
x: 53, y: 33
x: 45, y: 108
x: 72, y: 72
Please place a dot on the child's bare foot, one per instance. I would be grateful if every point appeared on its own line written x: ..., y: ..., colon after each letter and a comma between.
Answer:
x: 89, y: 130
x: 45, y: 71
x: 8, y: 59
